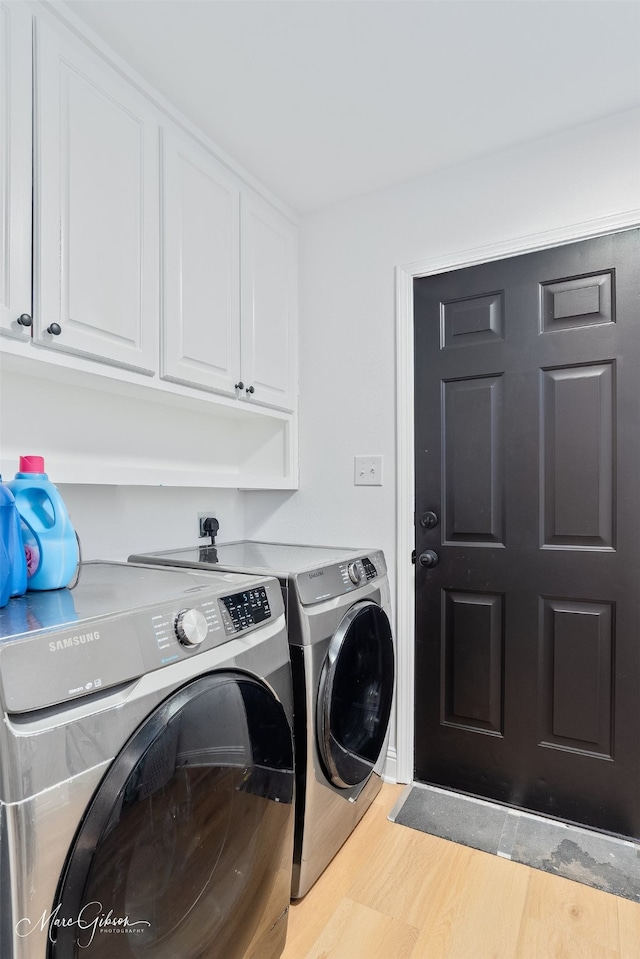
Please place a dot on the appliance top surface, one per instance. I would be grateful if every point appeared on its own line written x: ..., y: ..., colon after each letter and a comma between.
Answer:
x: 268, y: 559
x: 106, y: 588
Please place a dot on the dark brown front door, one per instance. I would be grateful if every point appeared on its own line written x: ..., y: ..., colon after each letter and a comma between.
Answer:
x: 527, y: 442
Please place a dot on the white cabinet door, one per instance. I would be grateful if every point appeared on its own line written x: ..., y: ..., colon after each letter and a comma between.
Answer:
x: 201, y: 271
x: 268, y: 304
x: 97, y: 207
x: 15, y: 169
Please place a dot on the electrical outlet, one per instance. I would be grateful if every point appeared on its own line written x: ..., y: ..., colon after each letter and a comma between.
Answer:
x: 367, y: 471
x: 202, y: 517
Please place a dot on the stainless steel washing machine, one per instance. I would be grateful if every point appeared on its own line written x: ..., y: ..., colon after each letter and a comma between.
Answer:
x: 342, y: 657
x: 146, y: 768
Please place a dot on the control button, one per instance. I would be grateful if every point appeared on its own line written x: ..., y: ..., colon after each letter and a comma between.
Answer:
x: 191, y: 627
x: 354, y: 572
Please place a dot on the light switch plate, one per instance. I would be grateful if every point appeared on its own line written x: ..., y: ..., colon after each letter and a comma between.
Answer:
x: 368, y: 471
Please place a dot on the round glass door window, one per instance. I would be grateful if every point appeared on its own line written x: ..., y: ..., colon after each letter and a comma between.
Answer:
x: 355, y: 694
x: 185, y: 840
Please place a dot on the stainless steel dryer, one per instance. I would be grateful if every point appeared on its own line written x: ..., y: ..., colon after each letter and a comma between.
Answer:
x: 146, y: 768
x: 342, y: 657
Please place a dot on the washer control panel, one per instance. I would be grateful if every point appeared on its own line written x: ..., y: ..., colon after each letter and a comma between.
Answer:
x: 87, y: 656
x: 242, y: 610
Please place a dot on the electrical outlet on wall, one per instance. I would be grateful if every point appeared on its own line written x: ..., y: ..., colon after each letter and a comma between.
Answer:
x: 206, y: 523
x: 367, y: 471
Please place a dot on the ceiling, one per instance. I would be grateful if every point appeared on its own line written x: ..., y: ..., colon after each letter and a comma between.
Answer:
x: 323, y: 100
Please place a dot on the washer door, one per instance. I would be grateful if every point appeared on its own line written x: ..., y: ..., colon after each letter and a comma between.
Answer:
x: 179, y: 852
x: 355, y: 694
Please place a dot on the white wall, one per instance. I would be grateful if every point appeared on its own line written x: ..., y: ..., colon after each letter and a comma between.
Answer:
x: 115, y: 521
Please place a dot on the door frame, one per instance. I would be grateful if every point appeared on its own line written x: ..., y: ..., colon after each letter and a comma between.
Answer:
x: 405, y: 486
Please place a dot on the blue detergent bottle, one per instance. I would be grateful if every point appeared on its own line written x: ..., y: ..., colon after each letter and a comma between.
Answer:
x: 50, y: 543
x: 13, y: 566
x: 5, y: 575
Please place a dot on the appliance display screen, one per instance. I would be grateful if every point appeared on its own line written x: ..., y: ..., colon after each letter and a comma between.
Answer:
x: 247, y: 608
x: 370, y: 570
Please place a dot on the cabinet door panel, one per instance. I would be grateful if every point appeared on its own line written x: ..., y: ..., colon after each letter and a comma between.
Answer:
x: 201, y: 281
x: 97, y: 208
x: 15, y: 168
x: 269, y: 295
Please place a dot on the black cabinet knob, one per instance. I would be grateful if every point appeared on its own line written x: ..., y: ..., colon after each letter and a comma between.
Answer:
x: 250, y: 389
x: 428, y: 559
x: 25, y: 320
x: 240, y: 385
x: 55, y: 329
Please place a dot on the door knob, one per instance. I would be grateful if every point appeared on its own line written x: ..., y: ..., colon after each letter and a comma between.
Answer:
x: 55, y: 329
x: 250, y: 389
x: 24, y: 320
x: 429, y: 519
x: 240, y: 385
x: 428, y: 559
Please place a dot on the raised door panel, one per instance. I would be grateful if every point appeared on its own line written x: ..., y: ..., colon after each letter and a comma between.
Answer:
x: 97, y: 205
x: 269, y: 304
x: 15, y: 168
x: 201, y: 272
x: 473, y: 460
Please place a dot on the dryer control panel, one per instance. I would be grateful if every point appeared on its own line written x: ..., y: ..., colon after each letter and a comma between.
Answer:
x: 327, y: 582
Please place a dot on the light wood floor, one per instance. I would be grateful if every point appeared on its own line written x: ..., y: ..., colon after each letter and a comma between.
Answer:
x: 395, y: 893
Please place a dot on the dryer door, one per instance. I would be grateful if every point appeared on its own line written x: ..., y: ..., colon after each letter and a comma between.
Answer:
x: 355, y: 694
x: 185, y: 847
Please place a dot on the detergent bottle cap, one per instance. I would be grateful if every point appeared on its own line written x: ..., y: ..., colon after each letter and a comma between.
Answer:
x: 32, y: 464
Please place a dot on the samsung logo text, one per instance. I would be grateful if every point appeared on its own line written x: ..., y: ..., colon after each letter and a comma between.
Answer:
x: 70, y: 641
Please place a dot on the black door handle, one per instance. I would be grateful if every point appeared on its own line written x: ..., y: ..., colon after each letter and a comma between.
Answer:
x: 428, y: 559
x: 429, y: 519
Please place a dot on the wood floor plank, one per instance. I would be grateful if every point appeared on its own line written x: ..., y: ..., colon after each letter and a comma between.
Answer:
x: 405, y: 870
x: 561, y: 916
x: 542, y: 940
x: 629, y: 928
x: 475, y: 913
x: 355, y: 930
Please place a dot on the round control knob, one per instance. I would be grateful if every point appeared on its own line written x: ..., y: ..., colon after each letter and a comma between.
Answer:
x: 25, y: 320
x: 354, y: 572
x: 55, y: 329
x: 191, y: 627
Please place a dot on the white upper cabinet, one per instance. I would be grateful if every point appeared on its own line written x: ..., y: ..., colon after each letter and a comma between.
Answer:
x: 156, y: 286
x: 268, y: 304
x: 15, y: 170
x: 229, y: 274
x: 200, y: 267
x: 96, y: 223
